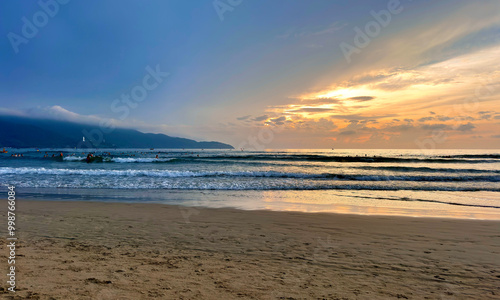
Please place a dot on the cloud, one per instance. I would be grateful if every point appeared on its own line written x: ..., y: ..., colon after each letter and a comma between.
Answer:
x: 426, y: 119
x: 444, y: 118
x: 243, y: 118
x: 438, y: 39
x: 465, y: 118
x: 466, y: 127
x: 320, y: 101
x: 280, y: 119
x: 348, y: 132
x: 55, y: 112
x: 436, y: 127
x: 59, y: 113
x: 440, y: 126
x: 361, y: 117
x: 313, y: 109
x: 398, y: 128
x: 412, y: 77
x: 446, y: 84
x: 11, y: 112
x: 261, y: 118
x: 362, y: 98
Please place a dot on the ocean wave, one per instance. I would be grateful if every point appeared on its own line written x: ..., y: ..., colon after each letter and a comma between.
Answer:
x: 277, y: 157
x: 121, y: 159
x: 255, y: 174
x: 363, y: 159
x: 245, y: 186
x: 140, y: 160
x: 338, y: 158
x: 426, y: 169
x: 495, y: 156
x: 74, y: 158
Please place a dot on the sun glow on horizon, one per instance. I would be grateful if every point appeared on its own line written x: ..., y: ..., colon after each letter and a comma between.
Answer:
x: 388, y: 104
x: 345, y: 93
x: 410, y: 91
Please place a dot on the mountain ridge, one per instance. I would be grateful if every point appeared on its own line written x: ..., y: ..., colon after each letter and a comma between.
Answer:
x: 25, y: 132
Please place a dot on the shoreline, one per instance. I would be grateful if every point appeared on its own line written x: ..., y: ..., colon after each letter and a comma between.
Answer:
x: 454, y: 205
x: 229, y: 209
x: 89, y: 250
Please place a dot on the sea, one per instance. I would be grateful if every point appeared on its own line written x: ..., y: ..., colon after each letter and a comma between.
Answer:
x: 417, y: 183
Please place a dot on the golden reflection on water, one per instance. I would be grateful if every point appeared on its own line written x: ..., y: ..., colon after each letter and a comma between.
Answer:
x: 329, y: 202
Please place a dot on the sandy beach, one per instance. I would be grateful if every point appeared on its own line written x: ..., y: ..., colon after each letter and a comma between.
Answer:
x: 90, y: 250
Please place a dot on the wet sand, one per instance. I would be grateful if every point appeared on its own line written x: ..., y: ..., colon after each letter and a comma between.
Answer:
x: 90, y: 250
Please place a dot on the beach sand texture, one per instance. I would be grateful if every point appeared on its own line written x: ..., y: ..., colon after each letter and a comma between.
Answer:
x: 87, y: 250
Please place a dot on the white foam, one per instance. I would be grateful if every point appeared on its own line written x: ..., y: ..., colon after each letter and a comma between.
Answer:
x: 139, y: 160
x: 73, y: 158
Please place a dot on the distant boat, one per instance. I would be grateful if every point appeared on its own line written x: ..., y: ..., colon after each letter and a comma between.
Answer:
x: 151, y: 148
x: 4, y: 151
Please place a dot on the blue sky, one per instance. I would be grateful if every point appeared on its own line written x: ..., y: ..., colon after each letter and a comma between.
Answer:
x: 265, y: 58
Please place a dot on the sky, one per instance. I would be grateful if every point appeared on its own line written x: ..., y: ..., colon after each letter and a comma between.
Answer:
x: 261, y: 74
